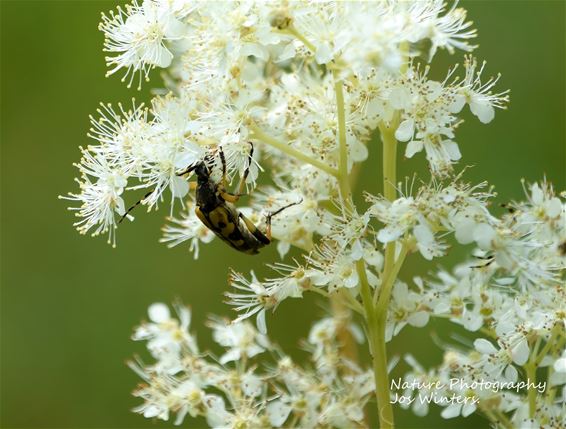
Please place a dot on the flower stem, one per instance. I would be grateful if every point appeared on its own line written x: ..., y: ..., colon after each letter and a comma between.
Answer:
x: 343, y: 164
x: 376, y: 334
x: 389, y: 159
x: 341, y: 312
x: 389, y: 281
x: 285, y: 148
x: 549, y: 344
x: 532, y: 394
x: 292, y: 30
x: 343, y: 316
x: 377, y: 316
x: 502, y: 418
x: 389, y: 182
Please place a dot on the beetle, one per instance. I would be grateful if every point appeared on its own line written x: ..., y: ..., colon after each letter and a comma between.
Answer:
x: 215, y: 207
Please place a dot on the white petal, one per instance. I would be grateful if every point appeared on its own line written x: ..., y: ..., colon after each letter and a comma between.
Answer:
x: 251, y: 385
x: 468, y: 409
x: 520, y: 352
x: 464, y: 229
x: 483, y: 235
x: 255, y: 50
x: 374, y: 257
x: 472, y: 321
x: 553, y: 207
x: 442, y: 307
x: 323, y: 54
x: 420, y: 409
x: 278, y: 412
x: 387, y: 234
x: 282, y: 248
x: 560, y: 365
x: 405, y: 130
x: 457, y: 104
x: 482, y: 109
x: 357, y: 251
x: 231, y: 355
x: 120, y: 207
x: 288, y: 53
x: 352, y: 280
x: 179, y: 187
x: 358, y: 151
x: 536, y: 194
x: 400, y: 292
x: 511, y: 374
x: 451, y: 411
x: 174, y: 29
x: 158, y: 312
x: 426, y: 252
x: 452, y: 149
x: 423, y: 234
x: 135, y: 23
x: 485, y: 347
x: 163, y: 58
x: 418, y: 319
x: 260, y: 322
x: 400, y: 98
x: 434, y: 90
x: 413, y: 147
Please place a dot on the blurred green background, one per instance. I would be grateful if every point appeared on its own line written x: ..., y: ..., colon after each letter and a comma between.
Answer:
x: 68, y: 302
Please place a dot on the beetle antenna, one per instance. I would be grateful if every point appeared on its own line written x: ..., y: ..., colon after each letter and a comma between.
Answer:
x: 188, y: 170
x: 270, y: 215
x: 135, y: 205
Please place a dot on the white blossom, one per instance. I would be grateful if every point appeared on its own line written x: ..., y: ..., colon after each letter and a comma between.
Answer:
x: 267, y: 112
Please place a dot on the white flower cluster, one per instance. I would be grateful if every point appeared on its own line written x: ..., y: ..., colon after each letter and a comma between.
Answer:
x: 516, y: 297
x: 292, y: 94
x: 236, y: 70
x: 232, y: 391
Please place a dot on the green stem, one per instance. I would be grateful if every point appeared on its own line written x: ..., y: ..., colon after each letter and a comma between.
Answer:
x: 490, y: 415
x: 549, y: 344
x: 389, y: 159
x: 532, y: 394
x: 388, y: 282
x: 489, y: 332
x: 292, y: 30
x: 389, y: 180
x: 285, y: 148
x: 343, y: 163
x: 504, y: 420
x: 377, y: 316
x: 344, y: 183
x: 376, y: 337
x: 496, y: 416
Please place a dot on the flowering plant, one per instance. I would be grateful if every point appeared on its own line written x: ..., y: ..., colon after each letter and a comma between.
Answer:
x: 308, y: 85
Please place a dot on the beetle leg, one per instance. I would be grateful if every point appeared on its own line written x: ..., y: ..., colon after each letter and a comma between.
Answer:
x: 268, y: 226
x: 223, y: 161
x: 228, y: 196
x: 260, y: 236
x: 247, y: 170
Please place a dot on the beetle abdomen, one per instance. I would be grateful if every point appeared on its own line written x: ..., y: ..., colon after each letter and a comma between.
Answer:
x: 225, y: 222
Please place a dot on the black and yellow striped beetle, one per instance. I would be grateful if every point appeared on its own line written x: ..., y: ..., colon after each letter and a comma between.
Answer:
x: 216, y: 210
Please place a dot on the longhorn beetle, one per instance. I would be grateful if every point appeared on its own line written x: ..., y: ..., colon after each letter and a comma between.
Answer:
x: 216, y: 210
